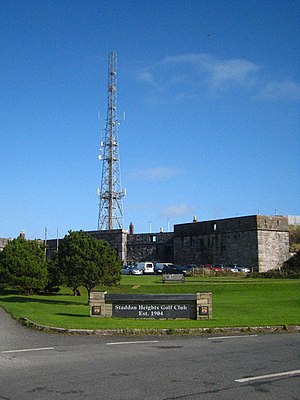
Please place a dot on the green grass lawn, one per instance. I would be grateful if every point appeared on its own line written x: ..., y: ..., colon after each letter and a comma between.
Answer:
x: 236, y: 302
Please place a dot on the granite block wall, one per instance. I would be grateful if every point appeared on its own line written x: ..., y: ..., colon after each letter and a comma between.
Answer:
x: 258, y: 242
x: 153, y: 247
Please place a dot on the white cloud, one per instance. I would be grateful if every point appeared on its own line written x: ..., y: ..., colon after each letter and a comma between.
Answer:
x: 146, y: 76
x: 220, y: 71
x: 286, y: 90
x: 177, y: 78
x: 176, y: 210
x: 233, y: 71
x: 156, y: 173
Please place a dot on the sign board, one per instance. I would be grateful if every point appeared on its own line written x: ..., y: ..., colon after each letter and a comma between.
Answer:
x: 151, y: 306
x: 154, y: 310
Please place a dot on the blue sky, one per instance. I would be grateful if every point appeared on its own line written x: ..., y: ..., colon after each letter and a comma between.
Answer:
x: 211, y: 91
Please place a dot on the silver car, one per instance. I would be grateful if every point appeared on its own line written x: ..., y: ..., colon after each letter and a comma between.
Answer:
x: 126, y: 270
x: 136, y: 271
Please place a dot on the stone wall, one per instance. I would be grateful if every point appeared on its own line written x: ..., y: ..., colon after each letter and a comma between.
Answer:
x: 256, y: 242
x: 273, y: 242
x: 155, y: 247
x: 116, y: 238
x: 226, y: 241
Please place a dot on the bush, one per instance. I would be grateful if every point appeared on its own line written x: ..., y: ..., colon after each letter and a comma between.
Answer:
x: 86, y: 261
x: 294, y: 238
x: 211, y: 272
x: 289, y: 270
x: 292, y: 265
x: 23, y: 265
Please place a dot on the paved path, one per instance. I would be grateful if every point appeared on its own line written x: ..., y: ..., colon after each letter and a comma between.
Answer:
x: 36, y: 365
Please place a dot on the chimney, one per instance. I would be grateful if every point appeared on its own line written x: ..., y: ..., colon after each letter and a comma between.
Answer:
x: 131, y: 228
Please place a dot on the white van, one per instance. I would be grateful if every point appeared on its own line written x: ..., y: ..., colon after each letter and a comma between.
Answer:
x: 146, y: 266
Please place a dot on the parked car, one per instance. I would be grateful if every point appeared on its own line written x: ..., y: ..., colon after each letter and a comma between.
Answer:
x: 126, y: 270
x: 208, y: 266
x: 237, y: 268
x: 232, y: 268
x: 247, y: 270
x: 243, y: 269
x: 172, y: 269
x: 216, y: 267
x: 136, y: 270
x: 146, y: 266
x: 158, y: 268
x: 219, y: 267
x: 185, y: 269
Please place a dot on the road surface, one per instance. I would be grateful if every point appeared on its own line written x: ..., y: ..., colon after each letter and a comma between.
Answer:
x: 36, y: 365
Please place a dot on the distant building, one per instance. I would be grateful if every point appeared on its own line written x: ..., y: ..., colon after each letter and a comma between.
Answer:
x: 293, y: 219
x: 3, y: 243
x: 258, y: 242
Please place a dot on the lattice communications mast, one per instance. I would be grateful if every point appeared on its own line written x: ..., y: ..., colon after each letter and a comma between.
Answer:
x: 110, y: 194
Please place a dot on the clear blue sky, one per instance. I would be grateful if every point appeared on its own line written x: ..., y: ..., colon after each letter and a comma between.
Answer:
x: 211, y: 91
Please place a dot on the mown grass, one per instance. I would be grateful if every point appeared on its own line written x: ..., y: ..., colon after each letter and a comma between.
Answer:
x: 236, y: 302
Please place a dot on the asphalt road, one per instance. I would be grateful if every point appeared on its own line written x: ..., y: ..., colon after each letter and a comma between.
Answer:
x: 36, y: 365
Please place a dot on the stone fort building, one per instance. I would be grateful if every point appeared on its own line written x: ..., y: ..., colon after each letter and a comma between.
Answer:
x: 258, y: 242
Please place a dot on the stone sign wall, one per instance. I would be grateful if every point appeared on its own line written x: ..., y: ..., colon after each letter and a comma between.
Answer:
x: 151, y: 306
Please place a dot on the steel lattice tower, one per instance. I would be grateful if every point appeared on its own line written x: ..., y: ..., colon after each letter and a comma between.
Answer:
x: 110, y: 193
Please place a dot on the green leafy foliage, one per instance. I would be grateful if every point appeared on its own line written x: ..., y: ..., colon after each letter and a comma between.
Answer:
x: 55, y: 275
x: 23, y: 265
x: 294, y: 238
x: 292, y: 265
x: 88, y: 262
x: 289, y: 270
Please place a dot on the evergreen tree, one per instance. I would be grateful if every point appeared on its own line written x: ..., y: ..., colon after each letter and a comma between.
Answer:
x: 88, y: 262
x: 55, y: 275
x: 23, y: 265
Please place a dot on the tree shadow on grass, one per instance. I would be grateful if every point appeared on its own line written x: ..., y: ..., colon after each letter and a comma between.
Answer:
x: 29, y: 299
x: 9, y: 291
x: 73, y: 315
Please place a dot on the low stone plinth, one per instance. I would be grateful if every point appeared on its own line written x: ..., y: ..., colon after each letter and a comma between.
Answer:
x: 151, y: 306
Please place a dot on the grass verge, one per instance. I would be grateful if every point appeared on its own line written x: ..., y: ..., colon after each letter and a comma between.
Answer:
x: 236, y: 302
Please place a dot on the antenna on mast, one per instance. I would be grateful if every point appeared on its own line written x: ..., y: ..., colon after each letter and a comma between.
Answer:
x: 110, y: 193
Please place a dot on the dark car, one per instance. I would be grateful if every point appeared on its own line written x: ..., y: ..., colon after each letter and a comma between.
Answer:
x: 158, y: 268
x: 173, y: 269
x: 185, y: 269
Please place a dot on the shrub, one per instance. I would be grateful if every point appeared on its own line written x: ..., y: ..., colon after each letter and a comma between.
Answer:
x: 289, y: 270
x: 23, y: 265
x: 86, y: 261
